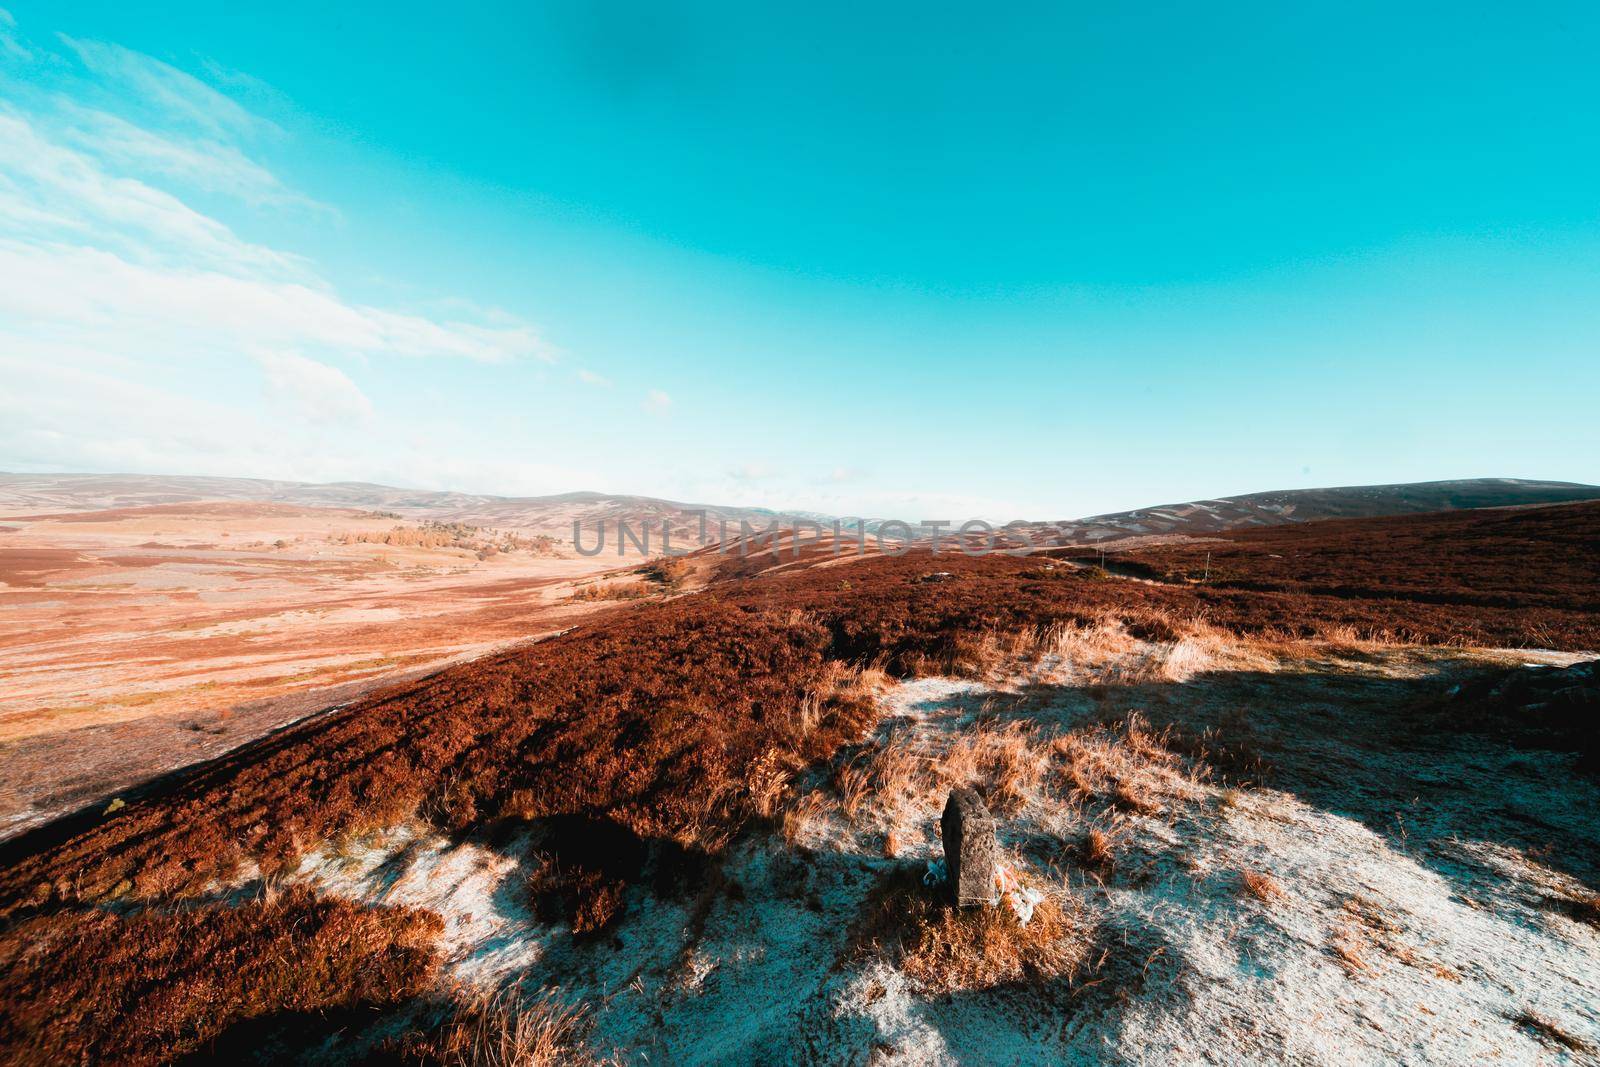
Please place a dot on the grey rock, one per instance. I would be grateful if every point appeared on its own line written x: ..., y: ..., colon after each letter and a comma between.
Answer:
x: 970, y: 850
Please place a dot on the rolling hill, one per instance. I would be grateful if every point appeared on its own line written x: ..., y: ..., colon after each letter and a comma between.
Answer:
x: 1201, y: 518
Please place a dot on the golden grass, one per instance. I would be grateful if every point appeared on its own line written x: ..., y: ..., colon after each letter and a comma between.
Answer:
x: 1096, y: 850
x: 587, y: 899
x: 1260, y: 885
x: 1008, y: 761
x: 896, y: 786
x: 506, y: 1029
x: 943, y: 949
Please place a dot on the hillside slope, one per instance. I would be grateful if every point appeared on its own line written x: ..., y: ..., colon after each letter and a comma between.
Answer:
x: 1522, y: 558
x: 743, y: 781
x: 1200, y: 518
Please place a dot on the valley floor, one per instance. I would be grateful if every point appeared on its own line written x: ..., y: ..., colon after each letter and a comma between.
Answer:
x: 136, y: 641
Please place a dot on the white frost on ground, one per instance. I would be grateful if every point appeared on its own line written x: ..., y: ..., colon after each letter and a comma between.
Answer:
x: 489, y: 936
x: 1400, y: 924
x: 1432, y: 976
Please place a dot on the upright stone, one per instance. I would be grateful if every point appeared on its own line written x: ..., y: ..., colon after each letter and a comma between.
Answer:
x: 969, y: 849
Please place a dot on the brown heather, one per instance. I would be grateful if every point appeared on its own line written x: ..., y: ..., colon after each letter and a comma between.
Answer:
x: 679, y: 720
x: 150, y: 988
x: 676, y: 723
x: 1543, y: 562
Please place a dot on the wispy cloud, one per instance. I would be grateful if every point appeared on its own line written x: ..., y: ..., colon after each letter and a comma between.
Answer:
x: 162, y: 86
x: 202, y: 163
x: 657, y: 402
x: 589, y: 377
x: 111, y: 279
x: 51, y: 192
x: 9, y: 45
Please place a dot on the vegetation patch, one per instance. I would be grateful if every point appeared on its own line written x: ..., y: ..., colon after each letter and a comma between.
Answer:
x: 155, y: 986
x: 942, y: 948
x: 506, y: 1029
x: 1537, y: 560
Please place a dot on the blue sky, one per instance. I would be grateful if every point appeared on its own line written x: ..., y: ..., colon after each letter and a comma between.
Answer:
x: 912, y: 260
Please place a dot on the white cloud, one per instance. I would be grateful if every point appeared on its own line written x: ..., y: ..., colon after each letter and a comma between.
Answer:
x: 8, y: 38
x: 589, y: 377
x: 160, y: 85
x: 50, y: 191
x: 658, y: 402
x: 86, y: 293
x: 98, y: 259
x: 318, y: 392
x: 138, y: 333
x: 92, y: 418
x: 202, y: 163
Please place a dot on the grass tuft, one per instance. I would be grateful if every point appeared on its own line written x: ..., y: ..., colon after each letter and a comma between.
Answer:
x: 944, y: 949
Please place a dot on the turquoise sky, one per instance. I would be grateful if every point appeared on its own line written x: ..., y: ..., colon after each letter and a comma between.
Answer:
x: 912, y: 260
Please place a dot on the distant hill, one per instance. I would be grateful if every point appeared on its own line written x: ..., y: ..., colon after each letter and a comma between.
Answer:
x: 1201, y: 518
x: 553, y: 515
x: 1503, y: 558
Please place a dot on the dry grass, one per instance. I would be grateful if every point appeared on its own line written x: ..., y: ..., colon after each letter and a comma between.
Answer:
x: 943, y: 949
x: 1260, y: 885
x: 1127, y: 763
x: 1007, y: 762
x: 834, y: 691
x: 1347, y: 950
x: 803, y: 816
x: 684, y: 720
x: 1102, y: 648
x: 1132, y: 796
x: 1096, y: 851
x: 894, y: 788
x: 1551, y: 1034
x: 1366, y: 937
x: 630, y: 590
x: 671, y: 572
x: 505, y: 1029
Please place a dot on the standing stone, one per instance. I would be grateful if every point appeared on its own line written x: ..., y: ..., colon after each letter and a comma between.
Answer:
x: 970, y: 852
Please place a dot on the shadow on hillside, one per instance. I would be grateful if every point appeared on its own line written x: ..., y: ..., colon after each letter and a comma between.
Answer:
x: 1391, y: 753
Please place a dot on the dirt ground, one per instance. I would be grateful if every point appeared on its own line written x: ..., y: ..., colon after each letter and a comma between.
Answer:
x: 136, y: 640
